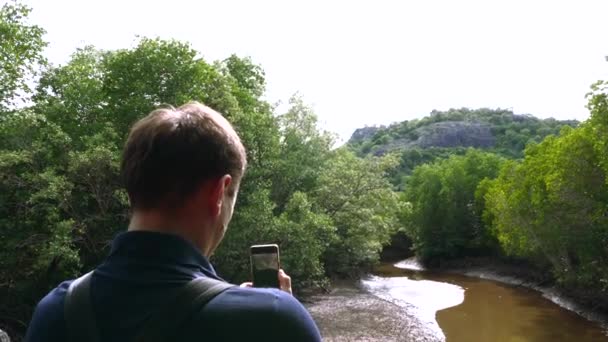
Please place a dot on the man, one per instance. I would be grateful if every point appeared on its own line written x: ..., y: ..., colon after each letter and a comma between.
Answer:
x: 181, y: 168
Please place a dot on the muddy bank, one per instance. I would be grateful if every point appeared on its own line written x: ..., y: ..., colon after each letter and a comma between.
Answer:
x: 588, y: 304
x: 349, y: 313
x: 405, y: 302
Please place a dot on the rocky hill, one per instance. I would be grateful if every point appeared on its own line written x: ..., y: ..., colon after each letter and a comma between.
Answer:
x: 444, y: 133
x: 480, y: 128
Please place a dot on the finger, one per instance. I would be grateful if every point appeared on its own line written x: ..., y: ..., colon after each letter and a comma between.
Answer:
x: 247, y: 284
x: 285, y: 281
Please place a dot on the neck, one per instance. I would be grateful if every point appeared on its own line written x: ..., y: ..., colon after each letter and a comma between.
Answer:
x: 156, y: 221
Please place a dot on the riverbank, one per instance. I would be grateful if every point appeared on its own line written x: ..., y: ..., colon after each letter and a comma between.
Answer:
x: 404, y: 302
x: 590, y: 305
x: 349, y: 313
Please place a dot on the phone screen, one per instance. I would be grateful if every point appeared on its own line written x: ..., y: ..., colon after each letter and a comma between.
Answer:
x: 265, y: 265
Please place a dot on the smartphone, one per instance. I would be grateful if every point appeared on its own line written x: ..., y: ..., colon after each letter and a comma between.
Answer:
x: 265, y: 265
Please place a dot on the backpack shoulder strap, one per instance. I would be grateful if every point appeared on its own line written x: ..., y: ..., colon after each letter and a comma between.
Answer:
x: 164, y: 325
x: 79, y: 316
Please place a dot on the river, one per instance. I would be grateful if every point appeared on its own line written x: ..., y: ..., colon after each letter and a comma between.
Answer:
x: 407, y: 303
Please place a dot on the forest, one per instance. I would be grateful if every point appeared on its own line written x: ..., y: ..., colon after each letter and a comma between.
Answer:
x: 536, y: 191
x: 549, y: 208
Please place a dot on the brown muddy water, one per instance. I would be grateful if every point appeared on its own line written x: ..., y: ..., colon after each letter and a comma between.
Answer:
x: 410, y: 304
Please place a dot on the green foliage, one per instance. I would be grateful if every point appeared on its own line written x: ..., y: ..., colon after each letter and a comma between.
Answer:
x: 61, y: 201
x: 253, y: 223
x: 34, y: 198
x: 357, y: 196
x: 303, y: 151
x: 160, y: 72
x: 330, y: 211
x: 445, y: 220
x: 413, y: 157
x: 301, y: 228
x: 20, y: 52
x: 598, y: 107
x: 72, y: 95
x: 551, y: 207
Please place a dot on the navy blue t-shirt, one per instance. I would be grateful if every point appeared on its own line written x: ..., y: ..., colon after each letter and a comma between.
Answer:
x: 141, y: 274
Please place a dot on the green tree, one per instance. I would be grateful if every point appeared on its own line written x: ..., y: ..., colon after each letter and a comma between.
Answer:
x: 253, y: 223
x: 158, y: 72
x: 72, y: 95
x: 254, y: 121
x: 598, y: 107
x: 304, y: 235
x: 303, y: 152
x: 359, y: 199
x: 445, y: 220
x: 36, y: 248
x: 551, y: 207
x: 20, y: 52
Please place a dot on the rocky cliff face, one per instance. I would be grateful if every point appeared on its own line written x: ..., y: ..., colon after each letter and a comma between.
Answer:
x: 456, y: 133
x: 364, y: 133
x: 440, y: 134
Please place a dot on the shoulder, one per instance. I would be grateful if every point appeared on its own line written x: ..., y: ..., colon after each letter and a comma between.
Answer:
x: 48, y: 323
x: 267, y: 314
x: 270, y: 302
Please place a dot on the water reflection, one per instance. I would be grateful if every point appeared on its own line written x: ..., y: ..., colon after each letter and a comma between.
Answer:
x: 471, y: 309
x: 415, y: 295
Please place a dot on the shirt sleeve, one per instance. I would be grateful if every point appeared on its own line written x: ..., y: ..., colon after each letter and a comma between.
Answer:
x: 48, y: 323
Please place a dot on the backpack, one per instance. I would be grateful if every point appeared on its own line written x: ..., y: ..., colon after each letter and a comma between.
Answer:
x: 161, y: 326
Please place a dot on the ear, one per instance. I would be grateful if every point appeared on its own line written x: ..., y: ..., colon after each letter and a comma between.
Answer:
x: 216, y: 198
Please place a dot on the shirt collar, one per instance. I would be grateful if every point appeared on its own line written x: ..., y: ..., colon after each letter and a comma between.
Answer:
x: 161, y: 248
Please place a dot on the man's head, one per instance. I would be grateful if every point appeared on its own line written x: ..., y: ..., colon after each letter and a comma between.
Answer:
x: 185, y: 164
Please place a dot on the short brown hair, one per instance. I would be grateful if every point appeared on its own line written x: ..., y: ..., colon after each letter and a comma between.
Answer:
x: 170, y: 152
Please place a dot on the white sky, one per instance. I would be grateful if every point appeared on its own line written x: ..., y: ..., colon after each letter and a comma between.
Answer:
x: 374, y: 62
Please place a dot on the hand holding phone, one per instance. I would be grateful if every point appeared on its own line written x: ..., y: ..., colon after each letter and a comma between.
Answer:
x: 284, y: 280
x: 265, y: 266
